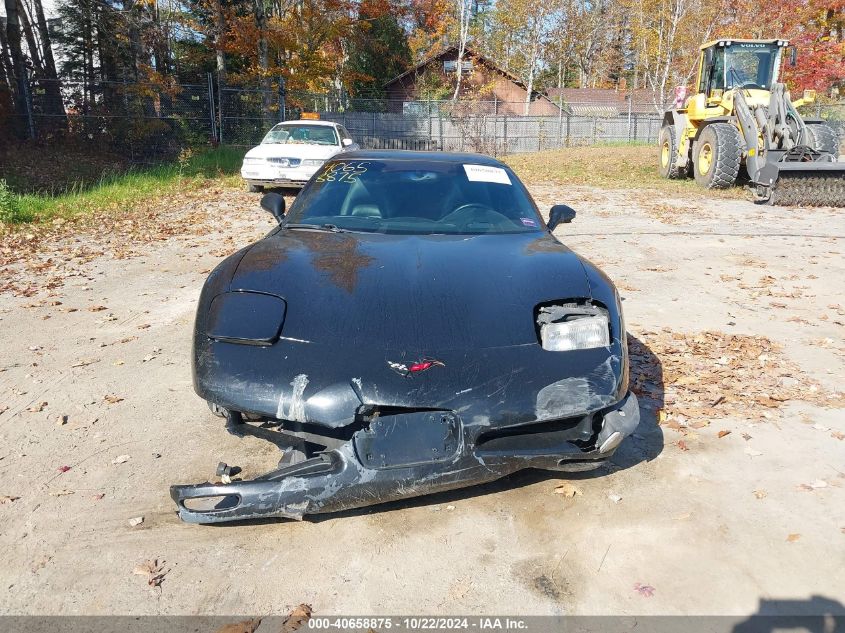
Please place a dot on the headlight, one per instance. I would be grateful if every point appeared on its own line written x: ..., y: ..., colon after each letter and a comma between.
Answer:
x: 249, y: 318
x: 571, y: 327
x: 253, y: 161
x: 312, y: 162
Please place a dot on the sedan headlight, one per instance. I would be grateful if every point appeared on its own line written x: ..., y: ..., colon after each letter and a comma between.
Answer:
x: 570, y: 327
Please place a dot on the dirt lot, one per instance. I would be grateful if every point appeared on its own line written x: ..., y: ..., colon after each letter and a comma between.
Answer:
x: 738, y: 322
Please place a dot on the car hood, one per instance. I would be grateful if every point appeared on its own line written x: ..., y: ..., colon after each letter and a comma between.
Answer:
x: 292, y: 150
x: 414, y: 296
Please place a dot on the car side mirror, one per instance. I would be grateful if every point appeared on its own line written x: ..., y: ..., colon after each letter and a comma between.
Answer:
x: 560, y: 214
x: 275, y: 204
x: 347, y: 142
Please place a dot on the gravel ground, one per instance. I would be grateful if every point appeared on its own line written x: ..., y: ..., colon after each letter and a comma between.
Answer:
x: 688, y: 519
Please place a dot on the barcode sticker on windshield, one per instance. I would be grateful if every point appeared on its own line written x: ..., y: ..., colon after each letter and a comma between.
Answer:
x: 483, y: 173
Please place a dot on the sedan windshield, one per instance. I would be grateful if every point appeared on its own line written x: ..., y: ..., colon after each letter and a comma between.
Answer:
x: 298, y: 133
x: 415, y: 197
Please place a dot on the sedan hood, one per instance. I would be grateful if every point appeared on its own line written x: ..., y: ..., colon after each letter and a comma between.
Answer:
x: 413, y: 295
x: 292, y: 150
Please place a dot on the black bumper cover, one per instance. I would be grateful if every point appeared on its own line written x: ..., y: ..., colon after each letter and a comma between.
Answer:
x: 403, y: 456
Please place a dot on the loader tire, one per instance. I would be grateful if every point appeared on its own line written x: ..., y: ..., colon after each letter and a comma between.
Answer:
x: 667, y: 154
x: 823, y: 138
x: 716, y: 156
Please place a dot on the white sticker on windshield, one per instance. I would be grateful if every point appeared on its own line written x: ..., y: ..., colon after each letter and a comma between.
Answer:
x: 483, y: 173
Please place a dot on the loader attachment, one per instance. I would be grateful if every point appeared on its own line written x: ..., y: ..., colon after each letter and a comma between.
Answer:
x: 787, y: 170
x: 809, y: 184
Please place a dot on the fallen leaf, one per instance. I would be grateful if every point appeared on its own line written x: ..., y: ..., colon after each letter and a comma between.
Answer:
x: 683, y: 517
x: 63, y: 469
x: 792, y: 538
x: 8, y: 499
x: 760, y: 494
x: 135, y: 521
x: 153, y: 569
x: 837, y: 435
x: 97, y: 308
x: 99, y: 496
x: 112, y: 399
x: 682, y: 445
x: 61, y: 493
x: 647, y: 591
x: 296, y: 618
x: 244, y: 626
x: 723, y: 433
x: 746, y: 436
x: 120, y: 459
x: 37, y: 407
x: 567, y: 490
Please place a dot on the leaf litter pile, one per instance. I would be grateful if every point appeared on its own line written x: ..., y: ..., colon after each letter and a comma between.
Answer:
x: 692, y: 379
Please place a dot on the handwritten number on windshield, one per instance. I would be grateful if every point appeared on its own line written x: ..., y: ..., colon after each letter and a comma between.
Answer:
x: 347, y: 172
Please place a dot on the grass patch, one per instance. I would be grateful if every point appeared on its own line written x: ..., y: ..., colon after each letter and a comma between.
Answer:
x: 113, y: 191
x: 617, y: 167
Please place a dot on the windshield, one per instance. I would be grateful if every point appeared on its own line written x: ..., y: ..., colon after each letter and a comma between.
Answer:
x: 416, y: 197
x: 750, y: 65
x: 298, y: 133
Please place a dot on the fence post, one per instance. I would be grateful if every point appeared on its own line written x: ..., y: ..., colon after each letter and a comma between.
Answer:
x: 211, y: 114
x: 636, y: 132
x: 540, y: 134
x: 568, y: 117
x: 505, y: 133
x: 27, y: 101
x: 220, y: 110
x: 440, y: 125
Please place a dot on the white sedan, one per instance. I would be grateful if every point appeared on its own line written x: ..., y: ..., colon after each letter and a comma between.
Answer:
x: 292, y: 152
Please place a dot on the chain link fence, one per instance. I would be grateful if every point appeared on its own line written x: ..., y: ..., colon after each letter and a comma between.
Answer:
x: 150, y: 122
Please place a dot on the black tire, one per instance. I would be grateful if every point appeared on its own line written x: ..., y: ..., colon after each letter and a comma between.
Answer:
x: 256, y: 188
x: 716, y: 156
x: 667, y: 154
x: 823, y: 138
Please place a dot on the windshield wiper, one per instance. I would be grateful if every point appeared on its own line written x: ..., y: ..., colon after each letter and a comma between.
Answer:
x: 331, y: 228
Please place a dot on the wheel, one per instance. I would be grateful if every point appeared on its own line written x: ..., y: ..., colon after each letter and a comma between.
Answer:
x: 668, y: 154
x: 716, y: 156
x: 823, y: 138
x: 255, y: 188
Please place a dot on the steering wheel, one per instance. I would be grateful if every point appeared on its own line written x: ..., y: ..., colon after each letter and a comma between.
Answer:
x: 474, y: 212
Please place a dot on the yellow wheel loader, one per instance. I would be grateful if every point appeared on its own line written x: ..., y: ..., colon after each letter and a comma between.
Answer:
x: 741, y: 116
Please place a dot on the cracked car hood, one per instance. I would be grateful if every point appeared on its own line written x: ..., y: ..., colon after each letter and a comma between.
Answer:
x: 415, y: 295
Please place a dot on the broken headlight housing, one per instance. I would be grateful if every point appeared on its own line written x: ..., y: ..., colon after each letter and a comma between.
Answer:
x: 572, y: 326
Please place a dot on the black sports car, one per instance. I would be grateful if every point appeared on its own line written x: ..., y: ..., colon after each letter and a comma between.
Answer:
x: 411, y: 326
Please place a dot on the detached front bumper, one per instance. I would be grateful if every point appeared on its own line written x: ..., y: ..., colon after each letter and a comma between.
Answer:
x: 407, y: 455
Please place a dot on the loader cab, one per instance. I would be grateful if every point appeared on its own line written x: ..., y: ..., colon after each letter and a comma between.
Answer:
x: 746, y: 64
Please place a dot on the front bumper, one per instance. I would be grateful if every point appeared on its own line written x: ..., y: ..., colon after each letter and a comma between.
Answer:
x: 267, y: 176
x: 408, y: 455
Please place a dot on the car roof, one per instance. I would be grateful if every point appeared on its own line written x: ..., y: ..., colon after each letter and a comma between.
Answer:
x: 307, y: 122
x: 439, y: 157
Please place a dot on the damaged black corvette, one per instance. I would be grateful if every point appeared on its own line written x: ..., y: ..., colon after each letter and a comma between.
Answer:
x: 410, y: 327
